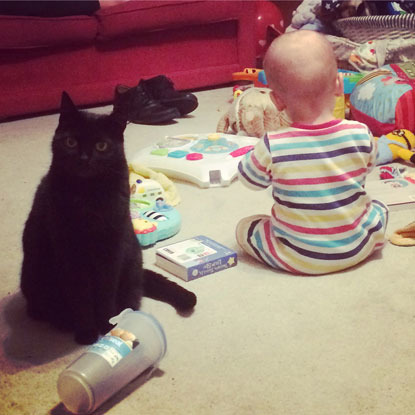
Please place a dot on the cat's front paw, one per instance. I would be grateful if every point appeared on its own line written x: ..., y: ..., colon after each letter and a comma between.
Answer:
x: 86, y: 336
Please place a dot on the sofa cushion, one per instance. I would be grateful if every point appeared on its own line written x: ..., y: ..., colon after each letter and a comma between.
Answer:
x: 135, y: 17
x: 23, y: 32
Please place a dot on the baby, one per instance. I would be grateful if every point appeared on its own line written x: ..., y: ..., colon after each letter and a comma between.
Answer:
x: 322, y: 220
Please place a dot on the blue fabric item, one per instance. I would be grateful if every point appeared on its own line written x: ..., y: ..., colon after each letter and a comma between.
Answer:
x: 384, y: 152
x: 379, y: 96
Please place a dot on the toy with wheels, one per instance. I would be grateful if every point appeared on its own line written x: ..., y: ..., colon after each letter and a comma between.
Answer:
x: 257, y: 76
x: 153, y: 219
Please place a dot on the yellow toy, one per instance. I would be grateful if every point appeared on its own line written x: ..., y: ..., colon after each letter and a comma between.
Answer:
x: 404, y: 236
x: 171, y: 193
x: 396, y: 145
x: 252, y: 113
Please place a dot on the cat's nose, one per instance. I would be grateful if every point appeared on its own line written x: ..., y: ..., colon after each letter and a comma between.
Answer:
x: 84, y: 156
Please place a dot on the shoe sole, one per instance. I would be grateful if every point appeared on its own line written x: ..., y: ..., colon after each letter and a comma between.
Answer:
x: 159, y: 118
x: 184, y: 106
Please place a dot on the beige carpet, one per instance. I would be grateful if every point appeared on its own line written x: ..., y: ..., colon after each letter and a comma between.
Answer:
x: 259, y: 342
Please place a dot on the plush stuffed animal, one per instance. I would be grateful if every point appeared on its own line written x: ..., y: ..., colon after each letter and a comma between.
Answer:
x: 252, y: 113
x: 396, y: 145
x: 404, y: 236
x: 305, y: 16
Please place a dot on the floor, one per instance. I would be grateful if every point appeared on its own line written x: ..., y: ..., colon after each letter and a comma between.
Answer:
x: 259, y: 341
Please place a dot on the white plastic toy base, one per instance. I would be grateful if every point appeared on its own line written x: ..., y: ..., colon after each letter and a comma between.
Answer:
x: 209, y: 160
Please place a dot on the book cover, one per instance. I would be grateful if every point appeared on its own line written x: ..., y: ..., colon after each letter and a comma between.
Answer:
x: 397, y: 193
x: 195, y: 257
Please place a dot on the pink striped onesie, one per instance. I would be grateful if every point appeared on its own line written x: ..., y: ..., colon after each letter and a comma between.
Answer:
x: 322, y: 220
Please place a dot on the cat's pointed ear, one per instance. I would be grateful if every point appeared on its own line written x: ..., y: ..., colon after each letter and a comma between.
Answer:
x: 68, y: 109
x: 67, y: 104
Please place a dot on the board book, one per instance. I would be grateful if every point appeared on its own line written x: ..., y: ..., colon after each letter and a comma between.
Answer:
x: 397, y: 193
x: 195, y: 257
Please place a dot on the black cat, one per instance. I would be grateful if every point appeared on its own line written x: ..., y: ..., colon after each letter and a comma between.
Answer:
x: 82, y: 261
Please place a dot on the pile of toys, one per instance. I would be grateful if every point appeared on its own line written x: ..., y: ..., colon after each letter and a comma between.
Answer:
x: 383, y: 99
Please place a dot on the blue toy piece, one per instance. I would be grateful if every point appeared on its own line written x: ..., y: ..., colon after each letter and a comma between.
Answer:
x: 154, y: 221
x: 217, y: 146
x: 262, y: 78
x: 350, y: 79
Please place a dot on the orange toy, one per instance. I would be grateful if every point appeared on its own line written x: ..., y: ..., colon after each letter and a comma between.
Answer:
x: 257, y: 76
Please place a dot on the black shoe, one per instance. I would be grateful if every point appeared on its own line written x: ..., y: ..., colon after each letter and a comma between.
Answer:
x: 162, y: 89
x: 137, y: 106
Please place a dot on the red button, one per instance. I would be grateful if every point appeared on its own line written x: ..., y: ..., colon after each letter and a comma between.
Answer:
x: 194, y: 156
x: 241, y: 151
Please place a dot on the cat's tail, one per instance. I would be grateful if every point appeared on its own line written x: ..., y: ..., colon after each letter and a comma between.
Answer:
x: 160, y: 288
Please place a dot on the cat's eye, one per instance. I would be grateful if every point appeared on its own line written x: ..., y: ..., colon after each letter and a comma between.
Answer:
x: 101, y: 146
x: 70, y: 142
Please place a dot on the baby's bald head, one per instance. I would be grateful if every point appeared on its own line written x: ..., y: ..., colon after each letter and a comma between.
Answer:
x: 301, y: 65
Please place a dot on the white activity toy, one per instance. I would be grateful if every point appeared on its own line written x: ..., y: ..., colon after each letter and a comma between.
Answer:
x: 209, y: 160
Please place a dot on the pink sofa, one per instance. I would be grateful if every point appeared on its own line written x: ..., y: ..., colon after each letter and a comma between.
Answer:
x: 195, y: 43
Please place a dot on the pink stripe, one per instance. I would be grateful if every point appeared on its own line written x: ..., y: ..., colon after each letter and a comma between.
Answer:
x: 377, y: 246
x: 271, y: 248
x: 322, y: 231
x: 257, y: 163
x: 321, y: 180
x: 316, y: 126
x: 402, y: 75
x: 319, y: 132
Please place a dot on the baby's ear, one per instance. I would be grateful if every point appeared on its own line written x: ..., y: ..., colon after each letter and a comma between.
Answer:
x: 338, y: 91
x: 278, y: 102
